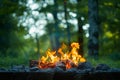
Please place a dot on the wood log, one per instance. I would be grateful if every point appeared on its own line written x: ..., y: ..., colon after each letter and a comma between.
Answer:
x: 33, y: 63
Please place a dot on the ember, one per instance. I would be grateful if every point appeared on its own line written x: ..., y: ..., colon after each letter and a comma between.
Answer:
x: 68, y: 59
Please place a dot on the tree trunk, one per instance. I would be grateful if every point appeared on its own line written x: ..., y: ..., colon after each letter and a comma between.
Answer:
x: 38, y: 45
x: 80, y: 29
x: 66, y: 19
x: 57, y: 43
x: 93, y: 43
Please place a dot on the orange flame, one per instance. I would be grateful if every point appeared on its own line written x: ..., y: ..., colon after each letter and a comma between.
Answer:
x: 67, y: 58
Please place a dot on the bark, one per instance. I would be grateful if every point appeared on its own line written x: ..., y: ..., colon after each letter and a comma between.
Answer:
x: 93, y: 43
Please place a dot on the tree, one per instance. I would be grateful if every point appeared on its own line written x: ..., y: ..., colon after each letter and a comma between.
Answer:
x: 52, y: 27
x: 110, y: 20
x: 66, y: 19
x: 80, y: 29
x: 10, y: 42
x: 93, y: 44
x: 56, y: 25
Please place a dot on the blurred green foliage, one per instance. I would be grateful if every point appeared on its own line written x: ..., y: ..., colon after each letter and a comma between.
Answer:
x: 104, y: 60
x: 16, y: 49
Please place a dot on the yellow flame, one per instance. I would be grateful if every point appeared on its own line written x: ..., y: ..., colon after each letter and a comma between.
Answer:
x: 68, y: 57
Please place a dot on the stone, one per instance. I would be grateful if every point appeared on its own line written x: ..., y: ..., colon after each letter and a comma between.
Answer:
x: 58, y: 69
x: 34, y: 68
x: 3, y: 70
x: 85, y: 65
x: 72, y: 70
x: 103, y: 67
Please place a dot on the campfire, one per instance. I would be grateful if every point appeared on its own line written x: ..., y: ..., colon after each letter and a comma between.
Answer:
x: 63, y: 57
x: 63, y: 64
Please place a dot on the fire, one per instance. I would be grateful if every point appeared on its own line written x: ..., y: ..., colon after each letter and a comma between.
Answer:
x: 68, y: 59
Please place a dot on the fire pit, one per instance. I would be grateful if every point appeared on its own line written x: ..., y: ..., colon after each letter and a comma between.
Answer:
x: 61, y: 65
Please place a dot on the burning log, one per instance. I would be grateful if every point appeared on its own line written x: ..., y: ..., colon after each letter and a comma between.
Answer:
x: 33, y: 63
x: 69, y: 59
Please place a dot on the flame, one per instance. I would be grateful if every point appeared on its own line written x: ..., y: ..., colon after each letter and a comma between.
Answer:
x: 62, y: 57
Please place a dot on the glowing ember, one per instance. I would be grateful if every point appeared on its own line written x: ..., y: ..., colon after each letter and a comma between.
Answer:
x: 62, y: 57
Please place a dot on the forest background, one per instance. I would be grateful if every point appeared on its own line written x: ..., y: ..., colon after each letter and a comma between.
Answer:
x: 29, y: 27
